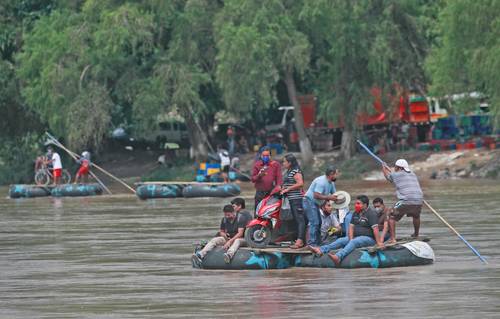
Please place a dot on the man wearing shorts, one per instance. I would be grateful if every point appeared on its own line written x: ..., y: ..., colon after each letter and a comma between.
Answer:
x: 55, y: 160
x: 409, y: 194
x: 83, y: 171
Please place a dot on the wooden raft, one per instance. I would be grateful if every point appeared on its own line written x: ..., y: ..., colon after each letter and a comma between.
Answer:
x: 304, y: 250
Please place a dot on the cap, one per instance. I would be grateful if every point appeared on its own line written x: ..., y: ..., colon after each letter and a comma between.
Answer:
x: 403, y: 164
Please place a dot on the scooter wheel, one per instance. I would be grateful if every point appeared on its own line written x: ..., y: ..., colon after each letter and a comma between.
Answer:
x: 258, y: 236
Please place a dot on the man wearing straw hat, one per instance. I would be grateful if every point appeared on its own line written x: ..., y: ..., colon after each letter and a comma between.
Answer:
x: 409, y: 194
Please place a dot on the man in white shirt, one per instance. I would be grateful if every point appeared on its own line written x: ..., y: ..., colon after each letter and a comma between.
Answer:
x: 55, y: 160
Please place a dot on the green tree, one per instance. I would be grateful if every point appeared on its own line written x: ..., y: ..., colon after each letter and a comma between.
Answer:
x: 466, y: 57
x: 358, y: 45
x: 259, y: 44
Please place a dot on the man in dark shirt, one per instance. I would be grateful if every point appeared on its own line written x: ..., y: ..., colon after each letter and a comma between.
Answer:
x: 232, y: 228
x: 383, y: 214
x: 266, y: 175
x: 363, y: 231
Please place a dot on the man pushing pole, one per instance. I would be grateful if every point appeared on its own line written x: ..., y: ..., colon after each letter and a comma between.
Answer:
x: 409, y: 195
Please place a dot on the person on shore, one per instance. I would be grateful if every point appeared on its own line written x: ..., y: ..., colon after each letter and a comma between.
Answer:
x: 330, y: 225
x: 292, y: 189
x: 55, y: 160
x: 83, y: 171
x: 363, y: 231
x: 409, y: 194
x: 383, y: 213
x: 232, y: 229
x: 266, y: 175
x: 321, y: 189
x: 225, y: 162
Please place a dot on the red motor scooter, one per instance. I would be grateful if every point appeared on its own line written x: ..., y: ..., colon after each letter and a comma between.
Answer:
x: 268, y: 228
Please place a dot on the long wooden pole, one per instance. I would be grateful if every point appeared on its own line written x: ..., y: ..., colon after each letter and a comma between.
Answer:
x: 75, y: 157
x: 432, y: 209
x: 96, y: 166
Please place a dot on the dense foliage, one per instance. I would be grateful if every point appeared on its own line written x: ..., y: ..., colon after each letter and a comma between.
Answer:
x: 82, y: 68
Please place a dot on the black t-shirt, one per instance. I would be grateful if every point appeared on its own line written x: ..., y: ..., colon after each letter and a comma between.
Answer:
x: 363, y: 223
x: 231, y: 227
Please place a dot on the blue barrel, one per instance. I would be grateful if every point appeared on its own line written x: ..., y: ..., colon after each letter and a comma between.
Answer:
x: 146, y: 191
x: 74, y: 190
x: 28, y: 191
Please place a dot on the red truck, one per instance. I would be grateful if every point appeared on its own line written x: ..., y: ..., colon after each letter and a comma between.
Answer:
x: 409, y: 108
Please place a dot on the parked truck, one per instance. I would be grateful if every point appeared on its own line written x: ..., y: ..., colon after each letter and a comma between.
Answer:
x: 326, y: 135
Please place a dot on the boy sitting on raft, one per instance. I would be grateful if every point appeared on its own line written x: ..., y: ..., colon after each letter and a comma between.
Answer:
x: 232, y: 229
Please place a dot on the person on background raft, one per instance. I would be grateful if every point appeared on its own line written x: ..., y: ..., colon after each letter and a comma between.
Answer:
x: 230, y: 236
x: 83, y: 171
x: 409, y: 194
x: 292, y: 189
x: 383, y: 214
x: 266, y: 175
x: 55, y: 160
x: 363, y: 231
x: 321, y: 189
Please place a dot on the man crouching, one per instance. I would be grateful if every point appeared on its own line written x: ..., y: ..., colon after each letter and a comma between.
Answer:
x: 232, y: 229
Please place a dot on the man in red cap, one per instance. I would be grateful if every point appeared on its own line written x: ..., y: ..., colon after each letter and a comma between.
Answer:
x: 266, y: 175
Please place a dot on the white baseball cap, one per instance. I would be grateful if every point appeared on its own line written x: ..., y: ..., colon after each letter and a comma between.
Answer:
x: 403, y: 164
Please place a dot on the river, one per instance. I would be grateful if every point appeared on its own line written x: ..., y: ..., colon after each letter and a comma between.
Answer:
x: 120, y: 257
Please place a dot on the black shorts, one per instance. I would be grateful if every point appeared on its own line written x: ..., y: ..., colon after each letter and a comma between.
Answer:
x: 225, y: 169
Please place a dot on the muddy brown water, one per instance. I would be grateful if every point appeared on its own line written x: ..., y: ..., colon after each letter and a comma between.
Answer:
x: 120, y: 257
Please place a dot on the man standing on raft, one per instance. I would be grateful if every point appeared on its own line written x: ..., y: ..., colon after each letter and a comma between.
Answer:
x: 409, y: 193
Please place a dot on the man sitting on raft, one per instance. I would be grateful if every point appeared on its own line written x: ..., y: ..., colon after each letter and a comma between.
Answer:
x: 363, y: 231
x: 232, y: 228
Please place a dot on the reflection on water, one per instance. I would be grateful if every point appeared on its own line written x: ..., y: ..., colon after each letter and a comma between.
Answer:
x: 119, y: 257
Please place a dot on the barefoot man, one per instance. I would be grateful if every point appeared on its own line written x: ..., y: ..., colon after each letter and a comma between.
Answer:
x: 409, y: 193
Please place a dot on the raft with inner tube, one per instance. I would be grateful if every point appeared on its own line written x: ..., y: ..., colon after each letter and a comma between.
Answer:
x: 414, y: 253
x: 73, y: 190
x: 185, y: 189
x: 28, y: 191
x: 146, y: 191
x: 206, y: 190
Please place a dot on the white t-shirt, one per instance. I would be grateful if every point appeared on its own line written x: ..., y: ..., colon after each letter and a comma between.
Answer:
x: 56, y: 161
x: 225, y: 160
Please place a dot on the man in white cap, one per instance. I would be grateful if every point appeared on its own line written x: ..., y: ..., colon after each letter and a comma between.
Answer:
x: 409, y: 193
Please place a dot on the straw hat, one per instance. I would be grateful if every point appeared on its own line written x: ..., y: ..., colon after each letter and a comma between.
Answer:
x: 343, y: 200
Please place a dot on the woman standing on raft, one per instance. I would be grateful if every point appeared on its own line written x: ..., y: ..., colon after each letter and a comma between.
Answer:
x: 292, y: 189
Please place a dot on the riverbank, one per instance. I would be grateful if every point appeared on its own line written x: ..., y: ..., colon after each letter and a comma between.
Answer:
x: 141, y: 165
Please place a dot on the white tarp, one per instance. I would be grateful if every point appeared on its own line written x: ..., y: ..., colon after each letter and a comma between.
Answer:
x: 420, y: 249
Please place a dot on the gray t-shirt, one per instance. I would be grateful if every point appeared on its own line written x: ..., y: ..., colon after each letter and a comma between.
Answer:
x: 407, y: 187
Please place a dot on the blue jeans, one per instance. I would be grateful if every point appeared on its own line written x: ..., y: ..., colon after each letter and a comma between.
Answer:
x: 314, y: 219
x: 348, y: 245
x: 339, y: 243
